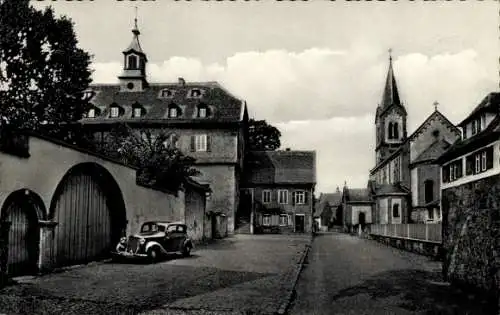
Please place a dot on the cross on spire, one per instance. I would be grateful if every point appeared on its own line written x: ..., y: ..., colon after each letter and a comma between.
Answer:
x: 135, y: 30
x: 436, y: 104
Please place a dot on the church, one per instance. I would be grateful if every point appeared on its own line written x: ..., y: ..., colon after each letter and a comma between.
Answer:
x: 404, y: 184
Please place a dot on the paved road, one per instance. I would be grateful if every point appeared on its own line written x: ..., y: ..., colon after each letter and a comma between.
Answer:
x: 224, y: 276
x: 349, y: 275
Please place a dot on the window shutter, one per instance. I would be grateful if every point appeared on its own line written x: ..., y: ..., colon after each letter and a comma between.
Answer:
x: 193, y: 148
x: 305, y: 196
x: 489, y: 157
x: 445, y: 173
x: 209, y: 144
x: 469, y: 164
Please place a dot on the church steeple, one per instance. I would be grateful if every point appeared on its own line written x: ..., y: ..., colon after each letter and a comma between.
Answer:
x: 390, y: 118
x: 391, y: 94
x: 133, y: 78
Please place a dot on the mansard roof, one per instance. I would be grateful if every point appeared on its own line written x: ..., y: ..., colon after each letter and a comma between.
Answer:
x: 224, y: 107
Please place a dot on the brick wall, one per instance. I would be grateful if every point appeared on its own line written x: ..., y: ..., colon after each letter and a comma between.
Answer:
x: 471, y: 233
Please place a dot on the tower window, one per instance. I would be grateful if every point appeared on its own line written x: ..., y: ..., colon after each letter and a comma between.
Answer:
x: 393, y: 131
x: 132, y: 62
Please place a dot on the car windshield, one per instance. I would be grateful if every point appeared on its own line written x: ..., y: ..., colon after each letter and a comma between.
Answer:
x: 149, y: 227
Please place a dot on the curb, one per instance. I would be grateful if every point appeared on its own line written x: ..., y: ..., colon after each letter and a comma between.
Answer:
x: 291, y: 291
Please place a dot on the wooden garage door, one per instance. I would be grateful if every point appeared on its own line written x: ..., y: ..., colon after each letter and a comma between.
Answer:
x: 23, y: 238
x: 84, y: 230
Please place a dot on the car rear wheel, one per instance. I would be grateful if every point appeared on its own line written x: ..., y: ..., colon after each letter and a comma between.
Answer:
x: 153, y: 254
x: 186, y: 251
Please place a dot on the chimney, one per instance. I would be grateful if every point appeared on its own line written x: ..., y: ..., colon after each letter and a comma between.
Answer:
x: 338, y: 189
x: 182, y: 82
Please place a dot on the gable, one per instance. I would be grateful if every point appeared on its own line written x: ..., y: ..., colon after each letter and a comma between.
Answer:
x: 435, y: 127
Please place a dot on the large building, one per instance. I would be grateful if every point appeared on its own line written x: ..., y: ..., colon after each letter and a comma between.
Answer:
x: 404, y: 183
x: 205, y: 121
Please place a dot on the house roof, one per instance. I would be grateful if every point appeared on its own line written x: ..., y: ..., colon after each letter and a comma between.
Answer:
x: 490, y: 103
x: 329, y: 199
x: 354, y: 195
x: 281, y: 167
x: 435, y: 150
x: 222, y: 106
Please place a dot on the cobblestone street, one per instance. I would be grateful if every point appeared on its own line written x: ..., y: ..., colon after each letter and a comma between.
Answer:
x: 222, y: 278
x: 349, y: 275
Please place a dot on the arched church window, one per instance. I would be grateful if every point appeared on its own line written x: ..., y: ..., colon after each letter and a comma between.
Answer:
x: 390, y: 136
x: 132, y: 62
x: 395, y: 132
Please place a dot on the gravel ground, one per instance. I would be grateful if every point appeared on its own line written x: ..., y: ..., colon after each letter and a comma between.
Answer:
x: 220, y: 278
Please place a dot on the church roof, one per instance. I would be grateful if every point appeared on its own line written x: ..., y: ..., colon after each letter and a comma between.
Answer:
x: 424, y: 125
x: 390, y: 95
x: 389, y: 189
x: 281, y: 167
x: 354, y: 195
x: 436, y: 149
x: 223, y: 106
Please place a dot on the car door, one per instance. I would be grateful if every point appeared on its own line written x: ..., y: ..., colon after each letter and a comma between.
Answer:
x: 179, y: 237
x: 170, y: 234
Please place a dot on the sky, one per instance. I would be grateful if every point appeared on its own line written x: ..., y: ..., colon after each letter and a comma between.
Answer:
x: 314, y: 69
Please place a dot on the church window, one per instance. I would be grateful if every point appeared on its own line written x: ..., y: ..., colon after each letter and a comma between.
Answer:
x: 395, y: 132
x: 390, y: 131
x: 395, y: 210
x: 132, y: 62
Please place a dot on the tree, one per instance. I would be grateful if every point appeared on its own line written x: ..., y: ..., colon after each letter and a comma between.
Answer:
x: 42, y: 71
x: 263, y: 136
x: 160, y: 163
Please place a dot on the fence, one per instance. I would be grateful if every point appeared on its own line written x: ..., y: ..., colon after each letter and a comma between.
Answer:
x: 420, y: 232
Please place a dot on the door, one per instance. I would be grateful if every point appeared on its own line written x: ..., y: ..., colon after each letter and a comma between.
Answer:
x: 170, y: 238
x: 84, y: 232
x: 362, y: 220
x: 299, y: 223
x: 23, y: 245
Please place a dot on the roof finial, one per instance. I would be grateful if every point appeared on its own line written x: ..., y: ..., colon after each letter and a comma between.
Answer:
x: 390, y: 54
x: 436, y: 104
x: 135, y: 30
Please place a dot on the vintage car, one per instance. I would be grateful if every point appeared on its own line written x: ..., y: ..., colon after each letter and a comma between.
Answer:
x: 155, y: 239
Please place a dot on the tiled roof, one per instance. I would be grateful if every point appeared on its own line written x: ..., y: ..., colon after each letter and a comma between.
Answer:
x: 222, y: 106
x: 358, y: 195
x: 281, y: 167
x: 436, y: 149
x: 490, y: 103
x: 330, y: 199
x: 389, y: 189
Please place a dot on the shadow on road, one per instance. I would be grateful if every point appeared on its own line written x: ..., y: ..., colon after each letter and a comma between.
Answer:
x: 423, y: 292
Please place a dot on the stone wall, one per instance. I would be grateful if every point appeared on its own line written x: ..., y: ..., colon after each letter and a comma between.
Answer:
x: 471, y: 234
x: 4, y: 241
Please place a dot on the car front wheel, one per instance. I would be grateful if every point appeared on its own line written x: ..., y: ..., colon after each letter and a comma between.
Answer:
x: 153, y: 255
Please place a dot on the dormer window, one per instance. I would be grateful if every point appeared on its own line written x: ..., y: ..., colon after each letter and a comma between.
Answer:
x: 87, y: 95
x: 476, y: 126
x: 195, y: 93
x: 132, y: 62
x: 137, y: 112
x: 115, y: 111
x: 174, y: 111
x: 203, y: 111
x: 91, y: 113
x: 166, y: 93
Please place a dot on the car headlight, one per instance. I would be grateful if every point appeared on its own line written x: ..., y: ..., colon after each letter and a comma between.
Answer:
x: 123, y: 240
x: 142, y: 241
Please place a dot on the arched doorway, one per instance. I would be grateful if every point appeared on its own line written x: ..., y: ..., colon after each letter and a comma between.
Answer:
x: 89, y: 209
x: 23, y: 208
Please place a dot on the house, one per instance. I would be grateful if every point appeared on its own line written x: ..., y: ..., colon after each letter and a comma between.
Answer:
x: 328, y: 211
x: 404, y: 183
x: 203, y: 119
x: 281, y: 185
x: 357, y: 208
x: 470, y: 199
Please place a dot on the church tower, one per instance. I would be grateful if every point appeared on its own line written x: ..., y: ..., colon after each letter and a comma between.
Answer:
x: 133, y: 77
x: 390, y: 119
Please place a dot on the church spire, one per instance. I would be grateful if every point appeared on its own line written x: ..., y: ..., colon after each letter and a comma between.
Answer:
x: 391, y: 94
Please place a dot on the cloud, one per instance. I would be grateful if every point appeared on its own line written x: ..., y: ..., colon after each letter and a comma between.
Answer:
x: 324, y: 99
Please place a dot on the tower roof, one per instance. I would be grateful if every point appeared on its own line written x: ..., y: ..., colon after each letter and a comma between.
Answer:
x: 135, y: 45
x: 391, y: 94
